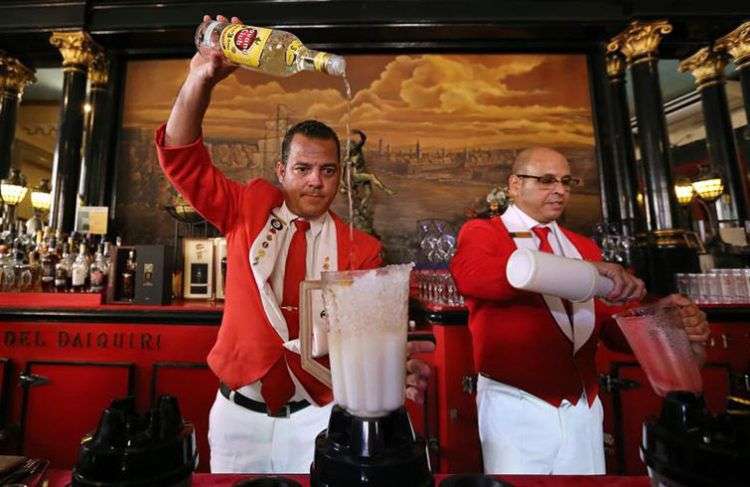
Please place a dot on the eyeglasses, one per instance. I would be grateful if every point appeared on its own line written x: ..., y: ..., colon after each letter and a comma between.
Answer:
x: 548, y: 181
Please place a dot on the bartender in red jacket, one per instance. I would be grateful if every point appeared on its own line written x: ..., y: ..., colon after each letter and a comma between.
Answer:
x: 537, y: 401
x: 268, y: 409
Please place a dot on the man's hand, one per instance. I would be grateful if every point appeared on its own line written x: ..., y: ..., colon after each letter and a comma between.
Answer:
x: 693, y: 321
x: 417, y: 371
x: 210, y: 67
x: 627, y: 286
x: 206, y: 69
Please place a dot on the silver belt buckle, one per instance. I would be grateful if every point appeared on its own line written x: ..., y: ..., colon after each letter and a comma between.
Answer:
x: 284, y: 412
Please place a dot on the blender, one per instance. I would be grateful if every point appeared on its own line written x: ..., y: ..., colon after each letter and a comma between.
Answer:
x: 686, y: 445
x: 370, y: 440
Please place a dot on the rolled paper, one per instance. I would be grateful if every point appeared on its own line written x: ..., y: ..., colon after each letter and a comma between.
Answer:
x: 541, y: 272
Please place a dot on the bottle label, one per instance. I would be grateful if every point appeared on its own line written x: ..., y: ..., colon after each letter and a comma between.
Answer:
x: 243, y: 45
x: 320, y: 61
x: 291, y: 51
x: 79, y: 276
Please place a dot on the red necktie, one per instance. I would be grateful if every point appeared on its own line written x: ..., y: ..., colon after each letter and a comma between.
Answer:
x: 544, y: 246
x: 276, y: 386
x: 543, y: 233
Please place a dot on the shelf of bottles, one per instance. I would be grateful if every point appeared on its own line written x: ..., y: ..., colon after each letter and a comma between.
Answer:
x: 46, y: 262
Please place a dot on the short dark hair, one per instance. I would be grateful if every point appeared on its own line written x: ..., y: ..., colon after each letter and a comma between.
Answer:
x: 312, y: 129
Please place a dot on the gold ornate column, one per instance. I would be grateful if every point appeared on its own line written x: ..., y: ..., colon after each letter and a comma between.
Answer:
x: 737, y: 45
x: 707, y: 67
x: 14, y: 77
x: 663, y: 250
x: 77, y: 50
x: 639, y: 44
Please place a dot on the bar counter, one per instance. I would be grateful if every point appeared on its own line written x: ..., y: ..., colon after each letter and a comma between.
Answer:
x: 63, y: 358
x: 60, y: 478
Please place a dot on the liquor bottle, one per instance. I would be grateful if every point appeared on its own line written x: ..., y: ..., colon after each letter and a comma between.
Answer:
x: 48, y: 260
x: 128, y: 277
x: 62, y: 271
x: 270, y: 51
x: 80, y: 270
x: 97, y: 272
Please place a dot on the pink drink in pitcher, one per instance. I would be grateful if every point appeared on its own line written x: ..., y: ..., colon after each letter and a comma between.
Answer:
x: 662, y: 347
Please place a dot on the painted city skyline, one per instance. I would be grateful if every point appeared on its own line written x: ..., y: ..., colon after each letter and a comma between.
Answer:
x: 442, y: 130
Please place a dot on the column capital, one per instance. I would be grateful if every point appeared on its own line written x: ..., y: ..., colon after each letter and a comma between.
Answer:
x: 737, y: 45
x: 99, y: 69
x: 706, y: 66
x: 615, y: 65
x: 14, y: 76
x: 77, y: 48
x: 640, y: 40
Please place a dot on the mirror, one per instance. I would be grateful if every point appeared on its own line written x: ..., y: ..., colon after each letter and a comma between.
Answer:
x: 36, y: 132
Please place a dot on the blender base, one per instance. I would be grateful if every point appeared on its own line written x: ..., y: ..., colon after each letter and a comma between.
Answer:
x: 370, y: 452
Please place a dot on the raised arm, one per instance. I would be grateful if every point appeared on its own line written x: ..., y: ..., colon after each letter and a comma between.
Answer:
x: 206, y: 70
x: 182, y: 154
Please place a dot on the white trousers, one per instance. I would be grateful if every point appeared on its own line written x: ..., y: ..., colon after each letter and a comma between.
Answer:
x: 522, y: 434
x: 244, y: 441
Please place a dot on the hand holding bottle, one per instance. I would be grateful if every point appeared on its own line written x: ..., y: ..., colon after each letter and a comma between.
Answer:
x: 209, y: 66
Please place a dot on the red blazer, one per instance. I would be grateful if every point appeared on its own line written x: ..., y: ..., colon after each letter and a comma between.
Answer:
x: 247, y: 346
x: 515, y: 338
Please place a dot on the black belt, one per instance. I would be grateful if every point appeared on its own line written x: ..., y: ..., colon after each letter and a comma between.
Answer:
x: 260, y: 407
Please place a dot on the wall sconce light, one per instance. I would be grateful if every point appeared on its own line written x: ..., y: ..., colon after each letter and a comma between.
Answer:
x: 41, y: 196
x: 684, y: 191
x: 708, y: 185
x: 13, y: 190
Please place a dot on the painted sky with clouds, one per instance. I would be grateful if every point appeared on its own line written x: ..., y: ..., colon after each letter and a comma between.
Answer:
x: 443, y: 101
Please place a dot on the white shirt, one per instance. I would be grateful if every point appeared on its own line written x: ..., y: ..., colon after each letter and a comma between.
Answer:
x: 277, y: 275
x: 313, y: 244
x: 554, y: 235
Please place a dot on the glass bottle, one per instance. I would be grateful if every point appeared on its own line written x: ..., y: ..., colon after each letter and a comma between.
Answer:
x: 270, y: 51
x: 48, y: 261
x: 128, y: 277
x: 79, y: 270
x: 62, y: 271
x: 97, y: 272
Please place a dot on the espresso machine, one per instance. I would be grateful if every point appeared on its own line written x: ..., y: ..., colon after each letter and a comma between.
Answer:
x: 370, y: 440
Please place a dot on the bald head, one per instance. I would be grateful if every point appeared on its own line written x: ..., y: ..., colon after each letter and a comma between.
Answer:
x: 527, y: 159
x: 544, y: 203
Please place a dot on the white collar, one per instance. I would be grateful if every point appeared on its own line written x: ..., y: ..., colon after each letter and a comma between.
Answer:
x: 287, y: 216
x: 529, y: 221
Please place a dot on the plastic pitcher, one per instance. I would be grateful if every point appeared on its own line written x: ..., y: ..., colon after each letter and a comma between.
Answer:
x: 366, y: 325
x: 662, y: 347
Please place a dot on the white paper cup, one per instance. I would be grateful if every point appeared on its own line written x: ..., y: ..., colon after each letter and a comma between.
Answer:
x: 541, y: 272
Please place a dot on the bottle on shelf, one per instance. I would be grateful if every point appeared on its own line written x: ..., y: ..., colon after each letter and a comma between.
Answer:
x: 62, y: 270
x: 98, y: 272
x: 270, y: 51
x: 79, y: 270
x: 128, y: 277
x: 48, y: 261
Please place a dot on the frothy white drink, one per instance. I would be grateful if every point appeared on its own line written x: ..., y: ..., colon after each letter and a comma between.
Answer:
x: 367, y: 314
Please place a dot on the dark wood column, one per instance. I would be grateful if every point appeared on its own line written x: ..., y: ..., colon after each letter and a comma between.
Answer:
x: 623, y: 154
x: 639, y: 43
x: 707, y: 66
x: 664, y: 249
x: 737, y: 45
x: 97, y: 124
x: 600, y: 109
x: 14, y: 77
x: 76, y: 50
